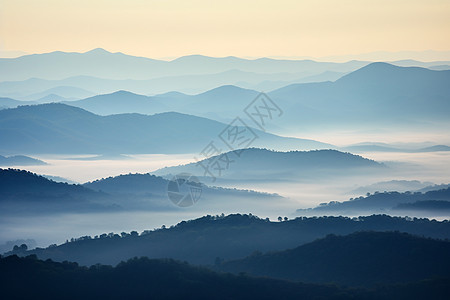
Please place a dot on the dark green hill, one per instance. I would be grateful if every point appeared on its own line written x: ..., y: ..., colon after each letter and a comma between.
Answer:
x: 362, y: 258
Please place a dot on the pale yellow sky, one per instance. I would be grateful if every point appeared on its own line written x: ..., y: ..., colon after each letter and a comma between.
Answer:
x: 171, y: 28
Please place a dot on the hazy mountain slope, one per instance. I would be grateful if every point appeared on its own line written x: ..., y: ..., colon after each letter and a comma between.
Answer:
x: 363, y: 258
x: 20, y: 160
x: 150, y: 191
x: 25, y: 192
x: 28, y: 193
x: 222, y: 103
x: 202, y: 240
x: 12, y: 103
x: 379, y: 93
x: 60, y: 92
x: 15, y: 183
x: 59, y: 128
x: 79, y: 86
x: 118, y: 103
x: 378, y: 202
x: 267, y: 165
x: 368, y: 147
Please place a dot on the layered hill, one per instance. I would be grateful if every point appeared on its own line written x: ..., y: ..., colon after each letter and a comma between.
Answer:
x: 362, y: 258
x: 203, y: 240
x: 59, y: 128
x: 269, y: 165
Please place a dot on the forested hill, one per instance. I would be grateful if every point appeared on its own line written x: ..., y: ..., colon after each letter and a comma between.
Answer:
x: 30, y: 278
x: 362, y: 258
x: 202, y: 240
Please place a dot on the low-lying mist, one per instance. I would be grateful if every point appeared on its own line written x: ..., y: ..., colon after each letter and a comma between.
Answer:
x: 52, y: 228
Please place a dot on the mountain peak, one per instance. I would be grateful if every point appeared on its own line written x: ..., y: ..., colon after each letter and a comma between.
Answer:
x: 97, y: 51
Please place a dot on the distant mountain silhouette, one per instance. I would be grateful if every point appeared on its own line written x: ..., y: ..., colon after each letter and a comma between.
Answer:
x: 20, y: 160
x: 59, y: 128
x: 385, y: 147
x: 222, y: 103
x: 367, y: 147
x: 202, y: 240
x: 268, y: 165
x: 60, y: 92
x: 120, y: 102
x: 434, y: 187
x: 381, y: 203
x: 363, y: 258
x: 78, y: 87
x: 378, y: 92
x: 50, y: 98
x: 435, y: 148
x: 12, y: 103
x: 392, y: 185
x: 104, y: 64
x: 73, y: 88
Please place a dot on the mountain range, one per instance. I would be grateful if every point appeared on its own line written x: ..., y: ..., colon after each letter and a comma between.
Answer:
x: 100, y: 72
x: 78, y: 87
x: 103, y: 64
x: 378, y: 94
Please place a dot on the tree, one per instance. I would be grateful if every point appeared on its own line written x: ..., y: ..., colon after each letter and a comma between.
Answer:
x: 280, y: 219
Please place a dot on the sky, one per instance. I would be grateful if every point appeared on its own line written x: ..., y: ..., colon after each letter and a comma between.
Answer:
x: 244, y: 28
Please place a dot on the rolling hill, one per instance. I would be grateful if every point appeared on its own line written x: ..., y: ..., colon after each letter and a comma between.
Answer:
x: 120, y: 102
x: 12, y: 103
x: 26, y: 192
x: 267, y: 165
x: 203, y: 240
x: 59, y: 128
x: 378, y: 94
x: 387, y: 202
x: 169, y: 279
x: 358, y: 259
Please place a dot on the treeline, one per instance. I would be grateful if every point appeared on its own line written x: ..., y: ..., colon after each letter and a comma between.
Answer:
x: 359, y: 259
x: 202, y: 240
x: 143, y: 278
